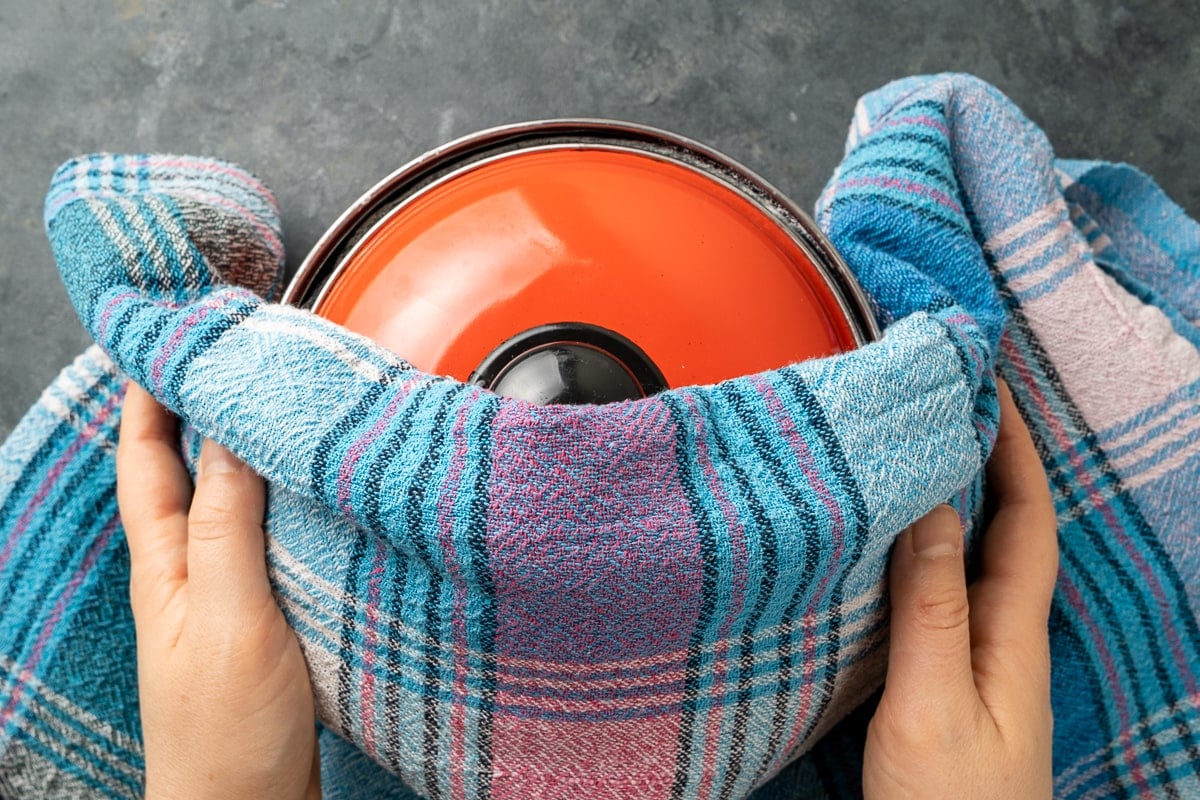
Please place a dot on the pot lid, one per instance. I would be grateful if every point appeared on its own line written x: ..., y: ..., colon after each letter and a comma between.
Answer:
x: 470, y: 249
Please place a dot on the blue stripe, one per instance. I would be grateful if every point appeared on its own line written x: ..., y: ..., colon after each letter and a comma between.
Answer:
x: 684, y: 438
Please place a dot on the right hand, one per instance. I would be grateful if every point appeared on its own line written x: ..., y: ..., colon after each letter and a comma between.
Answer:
x: 965, y: 711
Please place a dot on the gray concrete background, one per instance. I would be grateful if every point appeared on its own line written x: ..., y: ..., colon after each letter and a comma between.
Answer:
x: 321, y: 99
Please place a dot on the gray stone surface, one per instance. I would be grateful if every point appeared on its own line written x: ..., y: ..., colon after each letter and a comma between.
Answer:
x: 321, y: 99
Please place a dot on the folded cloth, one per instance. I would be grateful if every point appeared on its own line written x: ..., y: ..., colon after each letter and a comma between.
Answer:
x: 673, y: 597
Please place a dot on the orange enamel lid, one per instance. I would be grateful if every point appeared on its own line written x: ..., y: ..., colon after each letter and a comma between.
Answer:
x: 618, y: 235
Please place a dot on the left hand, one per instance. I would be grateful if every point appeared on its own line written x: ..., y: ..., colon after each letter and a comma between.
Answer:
x: 226, y: 705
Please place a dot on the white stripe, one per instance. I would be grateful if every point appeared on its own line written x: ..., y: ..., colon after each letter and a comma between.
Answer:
x: 128, y: 250
x: 84, y: 717
x: 1038, y: 218
x: 386, y: 671
x: 71, y: 755
x: 1172, y: 434
x: 94, y: 362
x: 106, y: 170
x: 69, y: 385
x: 1089, y: 502
x: 1128, y: 479
x: 60, y: 410
x: 1063, y: 230
x: 1149, y: 770
x: 179, y: 241
x: 1160, y: 469
x: 1101, y: 243
x: 387, y: 650
x: 1077, y: 253
x: 79, y: 178
x: 73, y: 739
x: 75, y: 385
x: 275, y: 320
x: 383, y: 619
x: 79, y: 380
x: 1118, y: 744
x: 862, y: 122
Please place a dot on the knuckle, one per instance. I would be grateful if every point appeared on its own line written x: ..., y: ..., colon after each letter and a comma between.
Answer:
x: 213, y: 522
x: 942, y: 609
x: 218, y: 484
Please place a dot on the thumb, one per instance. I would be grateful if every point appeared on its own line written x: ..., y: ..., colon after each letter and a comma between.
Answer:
x: 930, y: 633
x: 226, y: 553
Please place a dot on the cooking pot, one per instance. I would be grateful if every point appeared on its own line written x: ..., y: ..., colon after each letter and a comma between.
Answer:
x: 583, y: 261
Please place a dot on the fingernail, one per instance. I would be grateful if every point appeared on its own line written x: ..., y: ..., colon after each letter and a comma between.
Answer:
x: 938, y: 534
x: 215, y: 459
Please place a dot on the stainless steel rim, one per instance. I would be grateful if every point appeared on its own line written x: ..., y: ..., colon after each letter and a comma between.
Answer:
x: 437, y: 166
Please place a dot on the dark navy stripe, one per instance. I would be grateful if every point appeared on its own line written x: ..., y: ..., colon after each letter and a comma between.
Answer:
x: 414, y: 513
x: 347, y: 652
x: 201, y: 339
x: 126, y: 229
x: 855, y: 525
x: 1063, y: 624
x: 34, y: 473
x: 929, y: 104
x: 1097, y: 542
x: 892, y: 136
x: 1135, y: 524
x: 886, y: 164
x: 143, y: 173
x: 684, y: 432
x: 763, y: 447
x: 118, y: 173
x: 868, y: 199
x: 200, y: 276
x: 1077, y: 569
x: 147, y: 338
x: 395, y: 441
x: 176, y: 282
x: 57, y: 759
x: 97, y: 746
x: 65, y: 493
x: 770, y: 566
x: 349, y: 721
x: 326, y: 490
x: 429, y: 736
x: 417, y: 484
x: 840, y: 464
x: 967, y: 371
x: 481, y: 567
x: 119, y: 328
x: 350, y: 583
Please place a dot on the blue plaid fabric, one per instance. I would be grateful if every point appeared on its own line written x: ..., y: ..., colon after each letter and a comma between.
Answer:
x: 678, y: 597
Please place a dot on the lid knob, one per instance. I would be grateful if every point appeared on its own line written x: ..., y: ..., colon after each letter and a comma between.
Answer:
x: 569, y: 363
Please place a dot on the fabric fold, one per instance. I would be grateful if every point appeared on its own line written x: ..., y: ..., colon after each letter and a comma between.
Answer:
x: 674, y: 597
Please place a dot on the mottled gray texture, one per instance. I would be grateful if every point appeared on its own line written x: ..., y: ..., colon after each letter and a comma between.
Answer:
x: 323, y: 99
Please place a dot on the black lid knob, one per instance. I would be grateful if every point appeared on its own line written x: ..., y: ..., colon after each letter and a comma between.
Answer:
x: 572, y: 363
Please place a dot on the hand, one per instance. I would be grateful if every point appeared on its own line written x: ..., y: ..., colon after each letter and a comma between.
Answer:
x: 965, y: 710
x: 226, y: 705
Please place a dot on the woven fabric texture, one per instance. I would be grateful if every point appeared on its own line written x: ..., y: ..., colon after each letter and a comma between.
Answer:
x: 674, y: 597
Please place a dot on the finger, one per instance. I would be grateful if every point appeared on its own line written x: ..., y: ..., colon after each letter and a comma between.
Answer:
x: 153, y: 493
x: 1011, y: 600
x: 930, y: 640
x: 227, y: 570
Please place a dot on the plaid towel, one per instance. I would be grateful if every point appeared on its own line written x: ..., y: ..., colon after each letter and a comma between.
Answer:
x: 673, y: 597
